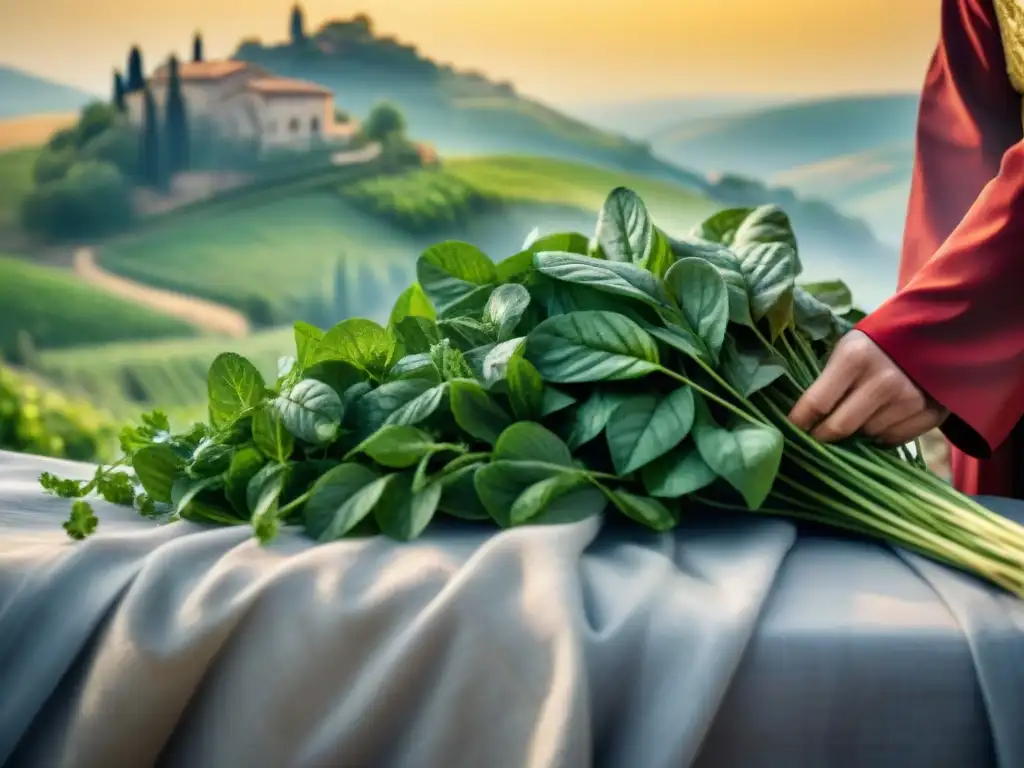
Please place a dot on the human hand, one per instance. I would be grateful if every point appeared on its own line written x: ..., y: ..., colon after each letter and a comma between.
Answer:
x: 863, y: 390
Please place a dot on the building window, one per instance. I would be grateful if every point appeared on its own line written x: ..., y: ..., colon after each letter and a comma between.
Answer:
x: 293, y: 125
x: 314, y: 125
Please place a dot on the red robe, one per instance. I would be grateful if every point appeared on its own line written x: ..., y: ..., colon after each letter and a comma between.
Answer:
x: 956, y: 325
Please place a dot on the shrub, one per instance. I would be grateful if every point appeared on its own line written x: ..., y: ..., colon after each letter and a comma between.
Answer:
x: 37, y: 419
x: 385, y: 120
x: 119, y: 146
x: 53, y: 164
x: 93, y: 198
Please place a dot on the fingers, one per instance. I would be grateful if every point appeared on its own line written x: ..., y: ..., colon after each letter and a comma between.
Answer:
x: 913, y: 427
x: 853, y: 411
x: 824, y: 394
x: 902, y: 401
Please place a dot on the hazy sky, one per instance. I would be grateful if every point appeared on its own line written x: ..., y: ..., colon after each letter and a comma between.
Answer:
x: 560, y: 50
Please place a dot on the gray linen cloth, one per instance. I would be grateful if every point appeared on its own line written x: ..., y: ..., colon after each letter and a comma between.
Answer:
x: 734, y: 641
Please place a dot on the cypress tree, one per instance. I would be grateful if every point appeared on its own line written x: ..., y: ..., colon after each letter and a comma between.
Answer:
x: 118, y: 100
x: 197, y: 48
x: 176, y: 130
x: 150, y: 162
x: 136, y: 80
x: 298, y: 26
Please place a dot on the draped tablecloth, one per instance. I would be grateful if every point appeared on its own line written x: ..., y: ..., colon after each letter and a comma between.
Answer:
x: 733, y: 641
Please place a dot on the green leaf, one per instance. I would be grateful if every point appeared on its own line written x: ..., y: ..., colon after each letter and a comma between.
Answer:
x: 459, y: 497
x: 465, y: 332
x: 81, y: 522
x: 813, y: 317
x: 591, y: 417
x: 475, y: 411
x: 661, y: 257
x: 307, y: 340
x: 417, y: 334
x: 402, y: 513
x: 246, y: 462
x: 515, y: 267
x: 157, y: 466
x: 363, y: 343
x: 677, y: 473
x: 554, y: 400
x: 185, y: 491
x: 624, y: 227
x: 500, y: 483
x: 765, y: 224
x: 337, y: 374
x: 833, y: 293
x: 263, y: 495
x: 536, y: 498
x: 412, y: 302
x: 209, y: 458
x: 270, y: 435
x: 525, y: 389
x: 420, y: 408
x: 721, y: 226
x: 529, y: 441
x: 340, y: 499
x: 591, y: 346
x: 505, y: 308
x: 750, y: 369
x: 417, y: 366
x: 627, y: 280
x: 644, y: 510
x: 458, y: 277
x: 745, y: 455
x: 397, y: 446
x: 373, y: 408
x: 770, y: 270
x: 568, y: 242
x: 494, y: 366
x: 704, y: 298
x: 646, y: 426
x: 729, y: 267
x: 682, y: 339
x: 450, y: 361
x: 311, y: 411
x: 233, y: 385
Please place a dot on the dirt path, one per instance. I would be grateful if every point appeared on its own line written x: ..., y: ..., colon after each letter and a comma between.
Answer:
x: 207, y: 315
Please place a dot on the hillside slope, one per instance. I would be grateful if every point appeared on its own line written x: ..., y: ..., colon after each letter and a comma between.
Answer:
x: 457, y: 111
x: 22, y: 93
x: 767, y: 142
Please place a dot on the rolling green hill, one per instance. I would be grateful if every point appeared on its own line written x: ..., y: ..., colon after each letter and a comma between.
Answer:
x: 22, y: 93
x: 457, y: 111
x: 766, y: 142
x: 131, y: 377
x: 57, y: 310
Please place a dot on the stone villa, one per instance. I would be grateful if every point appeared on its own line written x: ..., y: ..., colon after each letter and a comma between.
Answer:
x: 249, y: 103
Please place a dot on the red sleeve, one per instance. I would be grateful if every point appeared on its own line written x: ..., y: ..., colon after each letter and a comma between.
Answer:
x: 956, y: 326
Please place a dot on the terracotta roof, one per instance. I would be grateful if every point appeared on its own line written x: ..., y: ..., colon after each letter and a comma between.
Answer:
x: 203, y: 70
x: 283, y: 86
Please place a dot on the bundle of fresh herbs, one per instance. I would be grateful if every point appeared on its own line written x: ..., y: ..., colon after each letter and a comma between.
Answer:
x: 630, y: 371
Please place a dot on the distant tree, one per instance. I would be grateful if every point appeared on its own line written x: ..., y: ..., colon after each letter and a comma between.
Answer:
x: 176, y: 121
x: 118, y: 97
x: 136, y: 79
x: 92, y: 199
x: 95, y: 119
x: 297, y: 25
x: 118, y: 146
x: 53, y: 164
x: 197, y: 48
x: 150, y: 160
x: 385, y: 121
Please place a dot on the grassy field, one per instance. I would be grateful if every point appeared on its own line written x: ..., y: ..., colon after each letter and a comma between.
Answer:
x: 554, y: 182
x: 59, y: 311
x: 15, y: 182
x: 126, y: 378
x: 279, y: 252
